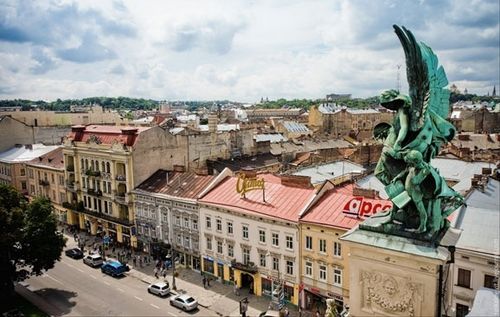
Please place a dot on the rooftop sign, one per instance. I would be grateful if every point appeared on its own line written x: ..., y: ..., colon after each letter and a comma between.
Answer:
x: 361, y: 208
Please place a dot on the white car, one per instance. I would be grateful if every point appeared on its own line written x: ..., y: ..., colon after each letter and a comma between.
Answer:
x: 184, y: 302
x: 159, y: 288
x: 94, y: 260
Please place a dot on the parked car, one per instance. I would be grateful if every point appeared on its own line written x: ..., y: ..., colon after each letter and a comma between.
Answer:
x: 159, y: 288
x: 94, y: 260
x: 113, y: 268
x: 184, y: 302
x: 74, y: 253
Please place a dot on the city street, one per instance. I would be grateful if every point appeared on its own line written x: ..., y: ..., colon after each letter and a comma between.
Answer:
x: 76, y: 289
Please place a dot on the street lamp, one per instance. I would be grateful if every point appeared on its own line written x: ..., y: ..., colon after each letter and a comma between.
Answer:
x: 174, y: 287
x: 243, y: 307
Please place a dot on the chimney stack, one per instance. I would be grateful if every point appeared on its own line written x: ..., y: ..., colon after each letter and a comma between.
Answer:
x: 78, y: 130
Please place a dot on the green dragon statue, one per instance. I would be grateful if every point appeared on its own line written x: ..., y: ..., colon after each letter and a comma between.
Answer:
x: 421, y: 198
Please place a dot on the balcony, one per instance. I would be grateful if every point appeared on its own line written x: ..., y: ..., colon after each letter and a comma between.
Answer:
x: 76, y: 206
x: 43, y: 182
x: 250, y: 267
x: 71, y: 186
x: 100, y: 215
x: 94, y: 192
x: 121, y: 178
x: 90, y: 172
x: 121, y: 198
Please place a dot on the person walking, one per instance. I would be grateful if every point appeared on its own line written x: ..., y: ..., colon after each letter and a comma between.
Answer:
x: 236, y: 289
x: 164, y: 273
x: 204, y: 282
x: 135, y: 261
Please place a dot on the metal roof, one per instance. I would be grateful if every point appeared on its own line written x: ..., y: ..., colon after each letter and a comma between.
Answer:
x: 486, y: 303
x: 329, y: 209
x: 284, y: 202
x: 53, y: 159
x: 177, y: 184
x: 297, y: 127
x: 221, y: 127
x: 271, y: 137
x: 371, y: 182
x: 25, y: 153
x: 479, y: 219
x: 324, y: 172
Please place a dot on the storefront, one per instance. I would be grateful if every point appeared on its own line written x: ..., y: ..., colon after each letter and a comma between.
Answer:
x: 208, y: 265
x: 315, y: 300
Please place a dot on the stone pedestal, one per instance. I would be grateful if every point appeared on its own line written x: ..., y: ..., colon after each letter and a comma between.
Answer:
x: 395, y: 276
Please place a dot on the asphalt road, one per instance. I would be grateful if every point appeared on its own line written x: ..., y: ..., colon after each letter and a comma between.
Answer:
x: 79, y: 290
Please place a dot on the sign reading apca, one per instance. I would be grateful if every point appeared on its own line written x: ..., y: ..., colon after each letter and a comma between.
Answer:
x: 361, y: 208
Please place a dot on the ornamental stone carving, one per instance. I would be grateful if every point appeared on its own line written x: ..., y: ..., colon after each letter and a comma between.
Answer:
x: 390, y: 295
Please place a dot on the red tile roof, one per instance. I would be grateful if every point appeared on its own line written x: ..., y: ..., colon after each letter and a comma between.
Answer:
x: 329, y: 209
x: 180, y: 184
x: 107, y: 134
x: 53, y: 159
x: 282, y: 201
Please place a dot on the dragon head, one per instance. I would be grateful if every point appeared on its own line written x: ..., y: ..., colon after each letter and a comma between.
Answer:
x: 393, y: 100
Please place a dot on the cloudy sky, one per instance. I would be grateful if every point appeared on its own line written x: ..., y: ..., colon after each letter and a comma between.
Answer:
x: 236, y: 50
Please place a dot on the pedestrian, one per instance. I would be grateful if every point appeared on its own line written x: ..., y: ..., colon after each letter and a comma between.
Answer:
x: 236, y: 289
x: 287, y: 313
x: 250, y: 289
x: 204, y: 282
x: 208, y: 281
x: 156, y: 272
x: 164, y: 273
x: 317, y: 313
x: 135, y: 261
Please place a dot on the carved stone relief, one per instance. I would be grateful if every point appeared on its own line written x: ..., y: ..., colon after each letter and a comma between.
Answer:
x: 390, y: 295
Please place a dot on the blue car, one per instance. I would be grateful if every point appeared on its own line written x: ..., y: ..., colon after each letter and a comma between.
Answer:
x: 113, y: 268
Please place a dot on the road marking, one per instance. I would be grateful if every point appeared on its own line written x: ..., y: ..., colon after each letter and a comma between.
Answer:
x: 95, y: 278
x: 106, y: 283
x: 155, y: 306
x: 54, y: 279
x: 138, y: 298
x: 120, y: 290
x: 171, y: 314
x: 80, y: 270
x: 70, y: 265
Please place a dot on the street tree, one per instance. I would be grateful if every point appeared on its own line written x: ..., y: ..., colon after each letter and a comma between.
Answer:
x: 29, y: 241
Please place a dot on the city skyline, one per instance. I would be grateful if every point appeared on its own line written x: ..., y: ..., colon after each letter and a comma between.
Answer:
x: 236, y: 50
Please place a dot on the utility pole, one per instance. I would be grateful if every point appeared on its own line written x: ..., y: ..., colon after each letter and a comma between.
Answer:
x: 173, y: 270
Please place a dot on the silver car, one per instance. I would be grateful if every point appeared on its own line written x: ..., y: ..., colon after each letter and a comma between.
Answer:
x: 184, y: 302
x: 159, y: 288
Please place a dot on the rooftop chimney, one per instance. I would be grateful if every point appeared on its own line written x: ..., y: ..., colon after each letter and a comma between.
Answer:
x: 131, y: 134
x: 296, y: 181
x: 78, y: 131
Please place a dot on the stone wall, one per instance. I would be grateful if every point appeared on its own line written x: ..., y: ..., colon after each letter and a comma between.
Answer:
x: 14, y: 132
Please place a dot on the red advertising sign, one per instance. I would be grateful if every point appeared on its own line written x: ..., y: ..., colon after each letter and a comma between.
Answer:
x: 362, y: 208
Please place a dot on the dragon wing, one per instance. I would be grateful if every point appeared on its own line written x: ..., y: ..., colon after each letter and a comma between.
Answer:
x: 427, y: 82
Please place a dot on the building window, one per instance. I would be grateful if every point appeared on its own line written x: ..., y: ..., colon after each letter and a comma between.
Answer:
x: 23, y: 172
x: 179, y: 239
x: 289, y: 267
x: 262, y: 236
x: 337, y: 276
x: 23, y: 185
x: 276, y: 264
x: 245, y: 232
x: 62, y: 197
x: 30, y: 173
x: 219, y: 247
x: 490, y: 281
x: 276, y: 239
x: 230, y: 250
x: 186, y: 222
x: 209, y: 222
x: 462, y: 310
x: 229, y: 227
x: 463, y: 278
x: 322, y: 273
x: 32, y: 190
x: 289, y: 242
x: 309, y: 269
x: 246, y: 256
x: 309, y: 243
x: 322, y: 245
x: 337, y: 249
x: 262, y: 259
x: 195, y: 224
x: 53, y: 179
x: 209, y: 243
x: 187, y: 241
x: 218, y: 225
x: 61, y: 180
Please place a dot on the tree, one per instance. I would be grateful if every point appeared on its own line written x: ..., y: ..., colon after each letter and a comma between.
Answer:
x: 29, y: 241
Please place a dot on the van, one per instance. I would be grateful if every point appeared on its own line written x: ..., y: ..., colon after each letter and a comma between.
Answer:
x: 113, y: 268
x: 93, y: 260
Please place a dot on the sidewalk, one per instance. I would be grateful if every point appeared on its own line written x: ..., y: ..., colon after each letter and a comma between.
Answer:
x: 217, y: 297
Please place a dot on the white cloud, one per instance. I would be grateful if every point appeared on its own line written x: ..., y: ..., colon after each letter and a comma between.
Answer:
x: 238, y: 50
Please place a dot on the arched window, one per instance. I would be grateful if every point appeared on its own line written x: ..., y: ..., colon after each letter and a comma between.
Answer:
x: 108, y: 167
x: 103, y: 166
x: 86, y: 164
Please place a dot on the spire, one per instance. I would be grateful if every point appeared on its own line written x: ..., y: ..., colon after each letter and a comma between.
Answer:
x: 494, y: 93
